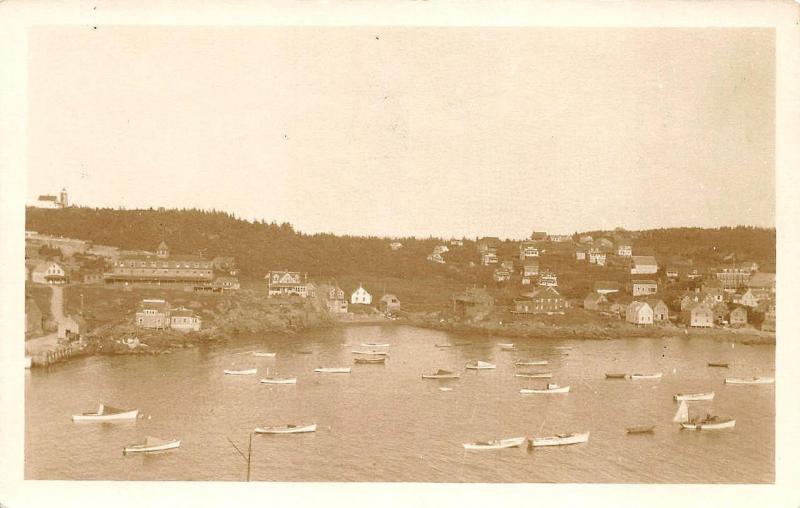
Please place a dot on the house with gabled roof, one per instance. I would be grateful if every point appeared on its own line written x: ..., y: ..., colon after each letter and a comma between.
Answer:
x: 545, y: 300
x: 639, y: 313
x: 660, y: 309
x: 642, y: 265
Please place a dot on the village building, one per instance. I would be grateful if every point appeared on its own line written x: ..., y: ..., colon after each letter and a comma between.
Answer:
x: 545, y: 300
x: 528, y: 250
x: 548, y: 279
x: 597, y: 256
x: 639, y: 313
x: 605, y: 287
x: 488, y: 243
x: 530, y: 269
x: 184, y: 320
x: 738, y: 316
x: 580, y: 255
x: 225, y: 284
x: 361, y: 296
x: 694, y: 274
x: 163, y: 268
x: 750, y: 266
x: 457, y: 242
x: 586, y: 239
x: 746, y: 298
x: 671, y: 272
x: 389, y: 303
x: 733, y: 278
x: 595, y: 301
x: 154, y: 314
x: 660, y: 309
x: 473, y: 303
x: 539, y: 236
x: 624, y: 250
x: 560, y: 238
x: 508, y: 265
x: 721, y: 313
x: 643, y: 265
x: 92, y: 277
x: 48, y: 272
x: 489, y: 258
x: 51, y: 201
x: 395, y: 245
x: 436, y: 258
x: 502, y: 274
x: 335, y: 300
x: 762, y: 285
x: 698, y: 315
x: 286, y: 283
x: 441, y: 249
x: 643, y: 287
x: 34, y: 319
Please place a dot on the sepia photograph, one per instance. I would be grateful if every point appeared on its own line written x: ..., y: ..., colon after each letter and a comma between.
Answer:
x: 398, y: 254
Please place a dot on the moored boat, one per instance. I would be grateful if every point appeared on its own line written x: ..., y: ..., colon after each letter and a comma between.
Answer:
x: 265, y: 355
x: 333, y: 370
x: 654, y: 375
x: 381, y: 359
x: 286, y: 429
x: 530, y: 362
x: 303, y: 351
x: 694, y: 396
x: 749, y: 380
x: 480, y: 365
x: 441, y: 374
x: 106, y: 413
x: 718, y: 364
x: 495, y: 444
x: 244, y: 372
x: 505, y: 344
x: 275, y: 380
x: 641, y: 429
x: 445, y: 389
x: 551, y: 388
x: 152, y: 444
x: 560, y: 439
x: 371, y: 353
x: 534, y: 375
x: 709, y: 422
x: 616, y: 375
x: 375, y: 344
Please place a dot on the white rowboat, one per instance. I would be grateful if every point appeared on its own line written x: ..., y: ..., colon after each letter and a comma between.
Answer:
x: 266, y: 355
x: 505, y: 344
x: 107, y: 414
x: 712, y: 423
x: 655, y: 375
x: 445, y: 389
x: 479, y: 365
x: 333, y: 370
x: 286, y: 429
x: 535, y: 375
x: 749, y: 380
x: 245, y: 372
x: 152, y: 444
x: 530, y: 362
x: 376, y: 353
x: 560, y: 439
x: 441, y: 374
x: 694, y: 396
x: 495, y: 444
x: 375, y: 344
x: 279, y: 380
x: 551, y: 388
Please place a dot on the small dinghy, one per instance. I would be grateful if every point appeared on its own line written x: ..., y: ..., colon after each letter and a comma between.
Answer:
x: 520, y: 363
x: 505, y: 344
x: 641, y: 429
x: 551, y: 388
x: 441, y: 374
x: 333, y: 370
x: 303, y: 351
x: 559, y: 439
x: 709, y: 422
x: 374, y: 344
x: 106, y: 413
x: 694, y: 396
x: 655, y: 375
x: 445, y: 389
x: 371, y: 353
x: 749, y: 380
x: 370, y: 360
x: 245, y: 372
x: 275, y: 380
x: 286, y: 429
x: 718, y: 364
x: 616, y: 375
x: 480, y: 365
x: 535, y: 375
x: 495, y: 444
x: 152, y: 444
x: 264, y: 355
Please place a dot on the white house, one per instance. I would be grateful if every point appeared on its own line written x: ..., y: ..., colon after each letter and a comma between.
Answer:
x: 48, y: 273
x: 436, y: 258
x: 639, y: 313
x: 548, y: 279
x: 624, y: 250
x: 597, y: 257
x: 360, y: 295
x: 644, y: 265
x: 644, y: 287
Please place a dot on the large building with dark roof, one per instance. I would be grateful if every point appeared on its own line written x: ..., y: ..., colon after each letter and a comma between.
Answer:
x: 161, y: 268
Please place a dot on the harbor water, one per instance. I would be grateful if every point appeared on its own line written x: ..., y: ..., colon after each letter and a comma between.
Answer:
x: 384, y: 423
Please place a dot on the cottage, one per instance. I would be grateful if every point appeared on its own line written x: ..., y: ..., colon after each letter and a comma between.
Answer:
x: 595, y: 301
x: 153, y: 313
x: 639, y: 313
x: 624, y: 250
x: 580, y: 255
x: 642, y: 265
x: 335, y: 301
x: 660, y: 310
x: 389, y: 303
x: 528, y: 250
x: 672, y: 272
x: 560, y: 238
x: 544, y: 300
x: 699, y: 315
x: 285, y: 283
x: 489, y: 258
x: 473, y: 303
x: 530, y: 269
x: 361, y: 296
x: 48, y: 272
x: 738, y: 316
x: 225, y: 284
x: 548, y: 279
x: 457, y: 242
x: 184, y: 320
x: 643, y: 287
x: 502, y: 274
x: 597, y: 256
x: 746, y: 298
x: 436, y: 258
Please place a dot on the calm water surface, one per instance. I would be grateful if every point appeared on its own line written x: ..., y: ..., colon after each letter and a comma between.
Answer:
x: 384, y: 423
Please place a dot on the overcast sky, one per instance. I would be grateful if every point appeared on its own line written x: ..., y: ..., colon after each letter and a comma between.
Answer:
x: 410, y: 131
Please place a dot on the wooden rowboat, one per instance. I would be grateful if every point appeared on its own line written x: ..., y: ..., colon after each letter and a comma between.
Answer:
x: 245, y: 372
x: 495, y: 444
x: 535, y: 375
x: 333, y: 370
x: 530, y: 362
x: 373, y: 353
x: 286, y: 429
x: 694, y: 396
x: 560, y: 439
x: 375, y: 344
x: 716, y: 364
x: 152, y: 444
x: 274, y: 380
x: 655, y: 375
x: 616, y: 376
x: 641, y: 429
x: 266, y: 355
x: 370, y: 360
x: 709, y: 423
x: 106, y: 413
x: 480, y: 365
x: 749, y: 380
x: 441, y: 374
x: 551, y: 388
